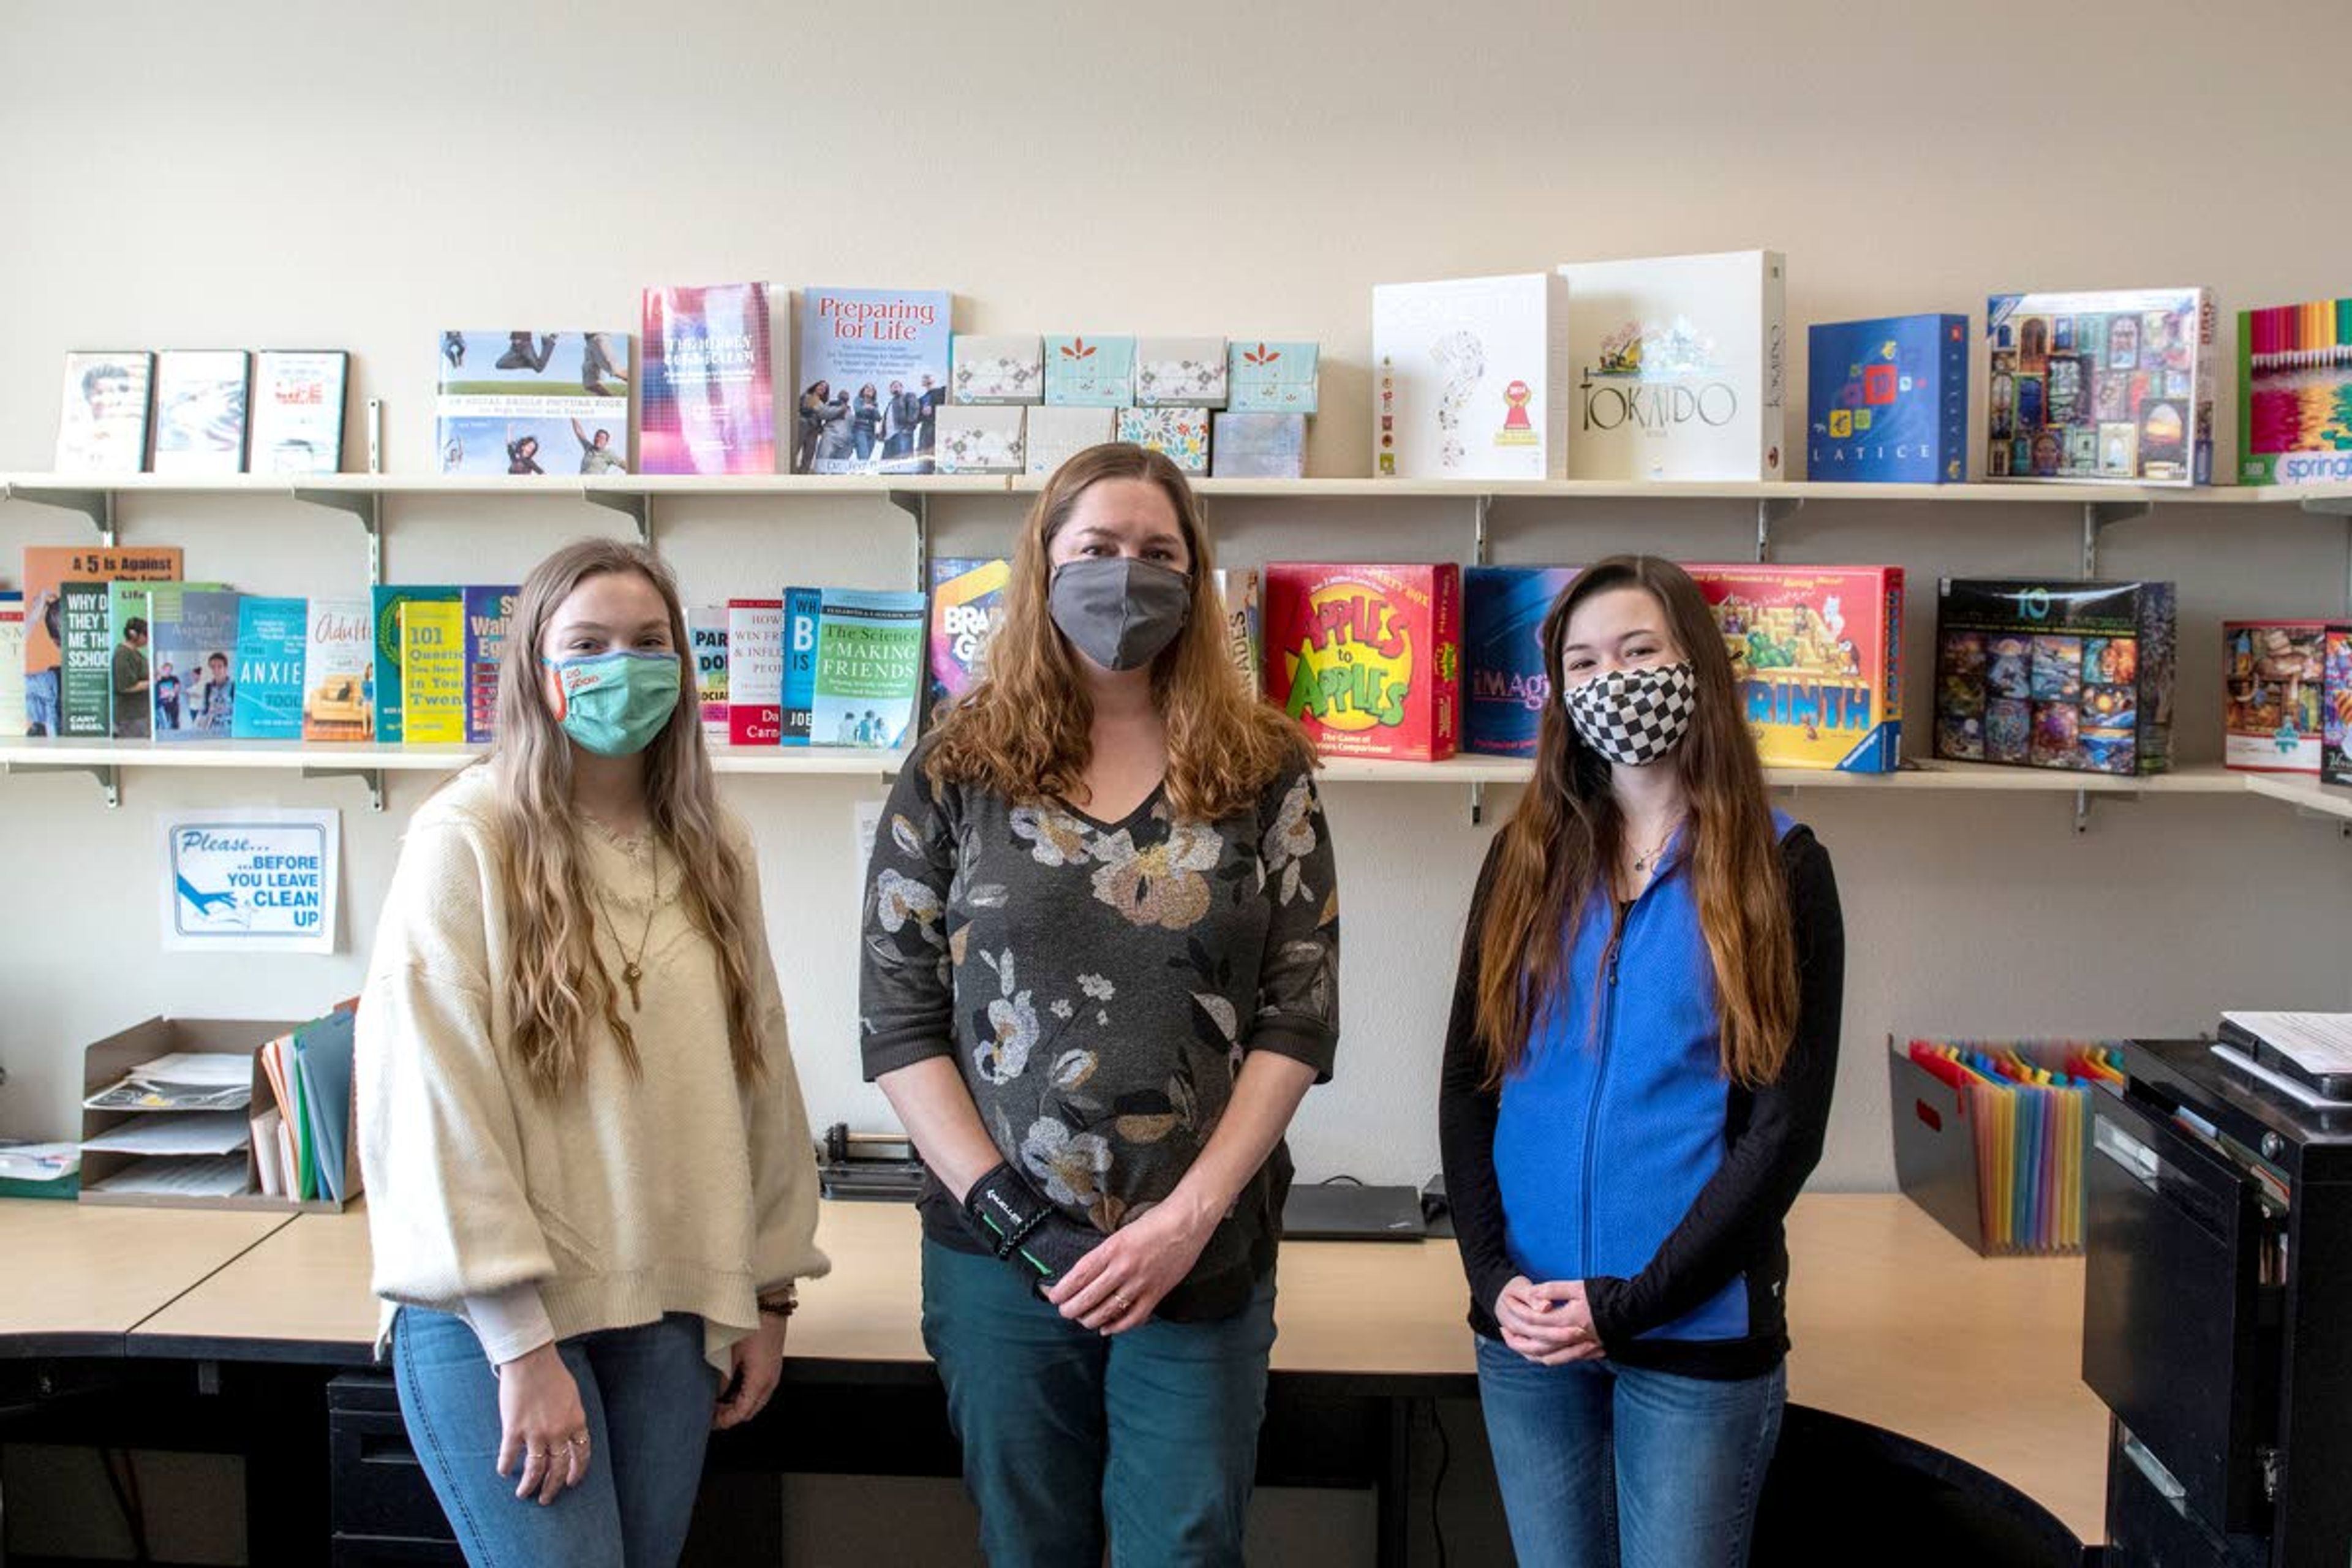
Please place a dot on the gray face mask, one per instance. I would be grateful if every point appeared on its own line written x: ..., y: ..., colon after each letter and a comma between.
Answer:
x: 1119, y: 611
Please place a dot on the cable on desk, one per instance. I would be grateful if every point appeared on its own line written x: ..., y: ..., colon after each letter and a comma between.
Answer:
x: 1437, y: 1486
x: 125, y: 1487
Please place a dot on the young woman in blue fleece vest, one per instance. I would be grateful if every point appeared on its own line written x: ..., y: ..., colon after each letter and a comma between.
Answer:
x: 1637, y: 1078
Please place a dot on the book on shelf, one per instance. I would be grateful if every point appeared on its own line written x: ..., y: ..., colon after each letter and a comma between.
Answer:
x: 297, y: 411
x: 1681, y: 367
x: 755, y: 672
x: 1817, y: 653
x: 47, y: 570
x: 533, y: 402
x: 200, y: 410
x: 11, y: 663
x: 967, y: 608
x: 1470, y: 378
x: 2295, y: 394
x: 874, y: 366
x: 133, y: 608
x: 2051, y: 673
x: 1505, y: 682
x: 706, y: 629
x: 102, y: 421
x: 489, y: 611
x: 339, y: 671
x: 390, y: 685
x: 799, y: 613
x: 2335, y: 717
x: 432, y: 693
x: 708, y: 404
x: 1239, y: 596
x: 2274, y: 694
x: 272, y: 636
x: 2109, y: 386
x: 86, y: 690
x: 192, y: 651
x: 1367, y: 657
x: 1888, y: 401
x: 868, y: 666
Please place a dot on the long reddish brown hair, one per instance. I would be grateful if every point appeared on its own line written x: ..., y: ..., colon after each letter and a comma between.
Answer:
x: 1026, y: 728
x: 1562, y: 844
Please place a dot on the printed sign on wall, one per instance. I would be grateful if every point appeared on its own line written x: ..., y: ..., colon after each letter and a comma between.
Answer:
x: 251, y: 881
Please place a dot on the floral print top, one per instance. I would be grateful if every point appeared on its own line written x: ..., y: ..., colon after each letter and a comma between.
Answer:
x: 1098, y: 985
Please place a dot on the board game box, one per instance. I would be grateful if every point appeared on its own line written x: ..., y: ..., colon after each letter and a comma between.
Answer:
x: 2335, y: 715
x: 1367, y: 657
x: 1818, y: 653
x: 2113, y: 386
x: 1505, y: 684
x: 2274, y: 695
x: 2295, y: 394
x: 2055, y: 674
x: 1889, y: 400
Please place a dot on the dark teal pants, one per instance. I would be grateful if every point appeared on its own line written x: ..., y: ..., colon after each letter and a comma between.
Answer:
x: 1151, y: 1435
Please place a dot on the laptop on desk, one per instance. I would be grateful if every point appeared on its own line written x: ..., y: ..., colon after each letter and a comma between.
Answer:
x: 1342, y: 1211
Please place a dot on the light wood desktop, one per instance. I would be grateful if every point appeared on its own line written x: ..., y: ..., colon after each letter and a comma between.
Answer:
x: 89, y: 1270
x: 1895, y: 1323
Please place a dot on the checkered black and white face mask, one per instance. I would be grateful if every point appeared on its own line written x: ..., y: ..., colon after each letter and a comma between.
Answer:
x: 1633, y: 717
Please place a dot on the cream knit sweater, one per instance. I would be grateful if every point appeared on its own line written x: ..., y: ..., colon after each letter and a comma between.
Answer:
x: 628, y: 1197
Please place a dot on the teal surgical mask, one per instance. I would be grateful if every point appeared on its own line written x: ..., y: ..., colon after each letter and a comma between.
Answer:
x: 613, y: 704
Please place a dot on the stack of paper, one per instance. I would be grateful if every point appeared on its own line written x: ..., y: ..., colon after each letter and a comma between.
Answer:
x: 39, y: 1170
x: 300, y: 1148
x: 2029, y: 1104
x: 179, y: 1175
x: 184, y: 1080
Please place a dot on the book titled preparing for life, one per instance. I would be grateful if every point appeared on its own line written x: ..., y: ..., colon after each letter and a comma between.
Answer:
x: 873, y: 374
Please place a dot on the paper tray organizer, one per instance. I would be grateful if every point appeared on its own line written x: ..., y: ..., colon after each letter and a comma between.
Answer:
x: 107, y: 1062
x: 2000, y: 1166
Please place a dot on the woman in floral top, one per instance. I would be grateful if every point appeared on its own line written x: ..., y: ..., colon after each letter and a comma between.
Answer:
x: 1099, y: 972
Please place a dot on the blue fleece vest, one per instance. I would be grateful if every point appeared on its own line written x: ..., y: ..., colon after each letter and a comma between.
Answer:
x: 1616, y: 1119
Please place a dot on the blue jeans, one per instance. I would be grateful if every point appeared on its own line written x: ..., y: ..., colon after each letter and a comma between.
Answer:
x: 1153, y: 1432
x: 1613, y: 1467
x: 647, y: 1392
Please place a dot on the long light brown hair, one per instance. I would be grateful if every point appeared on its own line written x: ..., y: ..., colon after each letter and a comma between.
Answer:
x: 1562, y: 843
x: 1026, y: 728
x: 559, y: 983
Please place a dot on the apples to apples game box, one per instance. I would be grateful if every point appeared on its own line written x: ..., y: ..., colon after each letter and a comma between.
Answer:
x: 1368, y: 657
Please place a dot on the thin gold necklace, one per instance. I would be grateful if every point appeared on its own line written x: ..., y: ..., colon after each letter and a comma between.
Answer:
x: 633, y: 970
x: 1641, y: 863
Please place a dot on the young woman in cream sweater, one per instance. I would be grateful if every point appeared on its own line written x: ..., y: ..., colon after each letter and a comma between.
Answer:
x: 590, y: 1180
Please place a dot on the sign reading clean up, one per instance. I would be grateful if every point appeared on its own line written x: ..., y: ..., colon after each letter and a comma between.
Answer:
x: 252, y: 882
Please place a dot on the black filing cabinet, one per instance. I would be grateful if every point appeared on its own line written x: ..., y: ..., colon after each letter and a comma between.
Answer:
x: 383, y: 1508
x: 2217, y: 1320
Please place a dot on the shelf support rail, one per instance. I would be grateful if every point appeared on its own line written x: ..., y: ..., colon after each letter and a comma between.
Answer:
x: 2083, y: 797
x: 370, y: 779
x: 110, y: 782
x: 1482, y: 543
x: 367, y: 507
x: 98, y: 505
x: 2099, y: 516
x: 635, y: 505
x: 916, y: 505
x: 1769, y: 511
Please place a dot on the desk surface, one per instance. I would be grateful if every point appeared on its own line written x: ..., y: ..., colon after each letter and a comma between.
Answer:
x: 80, y: 1272
x: 1895, y: 1323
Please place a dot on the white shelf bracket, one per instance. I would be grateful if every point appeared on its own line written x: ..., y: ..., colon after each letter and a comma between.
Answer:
x: 635, y: 505
x: 98, y: 505
x: 1773, y: 509
x: 370, y: 779
x: 109, y: 781
x: 1481, y: 553
x: 917, y: 506
x: 2083, y: 799
x: 367, y: 507
x: 2099, y: 516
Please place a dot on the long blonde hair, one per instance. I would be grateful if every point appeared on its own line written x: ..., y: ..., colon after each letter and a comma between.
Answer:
x: 1560, y: 845
x: 1026, y: 728
x: 559, y: 983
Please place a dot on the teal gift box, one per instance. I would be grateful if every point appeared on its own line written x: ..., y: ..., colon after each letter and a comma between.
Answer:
x: 1266, y: 377
x: 1084, y: 371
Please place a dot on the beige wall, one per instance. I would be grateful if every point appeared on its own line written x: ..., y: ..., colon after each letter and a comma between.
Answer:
x: 261, y: 175
x: 291, y: 176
